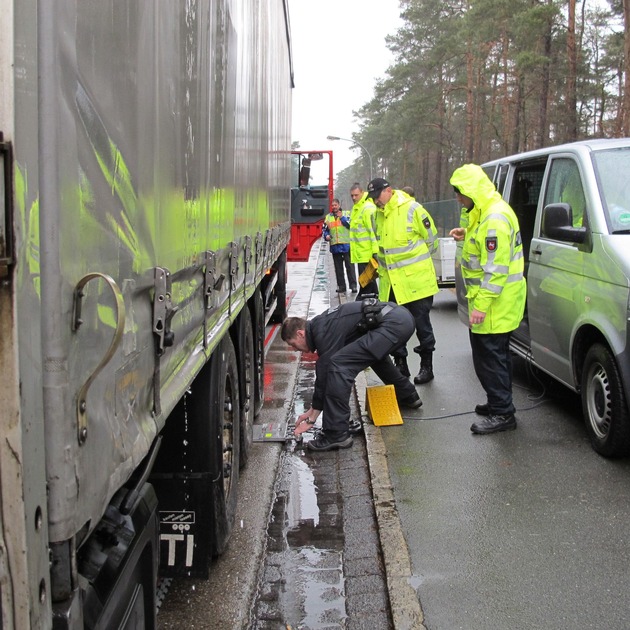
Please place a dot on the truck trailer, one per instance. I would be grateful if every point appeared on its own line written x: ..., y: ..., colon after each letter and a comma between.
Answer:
x: 144, y: 224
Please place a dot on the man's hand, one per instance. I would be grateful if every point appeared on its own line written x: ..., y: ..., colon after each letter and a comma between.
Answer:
x: 476, y: 317
x: 305, y: 421
x: 458, y: 233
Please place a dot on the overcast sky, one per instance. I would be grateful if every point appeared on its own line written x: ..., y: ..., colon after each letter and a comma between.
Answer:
x: 338, y: 53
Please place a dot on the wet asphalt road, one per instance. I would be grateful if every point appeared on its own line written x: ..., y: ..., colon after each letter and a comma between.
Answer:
x: 322, y: 567
x: 522, y: 530
x: 306, y: 551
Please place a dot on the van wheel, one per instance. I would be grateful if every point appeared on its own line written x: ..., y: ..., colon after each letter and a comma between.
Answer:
x: 604, y: 404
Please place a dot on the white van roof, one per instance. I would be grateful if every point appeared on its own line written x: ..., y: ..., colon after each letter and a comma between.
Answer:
x: 595, y: 144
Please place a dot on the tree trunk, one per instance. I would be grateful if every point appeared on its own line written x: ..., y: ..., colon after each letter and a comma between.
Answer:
x: 625, y: 113
x: 571, y: 96
x: 508, y: 129
x: 470, y: 103
x: 440, y: 143
x: 543, y: 131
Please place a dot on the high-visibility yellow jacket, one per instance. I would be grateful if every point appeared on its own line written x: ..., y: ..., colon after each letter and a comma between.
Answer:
x: 362, y: 238
x: 492, y: 258
x: 406, y: 237
x: 337, y: 228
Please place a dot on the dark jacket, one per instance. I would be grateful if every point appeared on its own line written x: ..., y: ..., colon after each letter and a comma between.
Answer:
x: 329, y: 332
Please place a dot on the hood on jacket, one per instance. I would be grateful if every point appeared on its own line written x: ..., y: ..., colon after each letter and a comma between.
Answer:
x: 472, y: 182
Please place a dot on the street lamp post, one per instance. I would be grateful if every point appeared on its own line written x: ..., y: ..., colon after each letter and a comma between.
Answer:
x: 358, y: 144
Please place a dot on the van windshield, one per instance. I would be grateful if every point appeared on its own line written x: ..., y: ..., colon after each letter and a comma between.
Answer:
x: 612, y: 168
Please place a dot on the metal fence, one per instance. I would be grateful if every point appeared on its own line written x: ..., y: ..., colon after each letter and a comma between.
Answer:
x: 445, y: 214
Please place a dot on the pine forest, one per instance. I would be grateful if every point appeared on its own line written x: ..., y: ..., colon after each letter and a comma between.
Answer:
x: 475, y: 80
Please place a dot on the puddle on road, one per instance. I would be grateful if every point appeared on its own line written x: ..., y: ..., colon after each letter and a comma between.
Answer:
x: 319, y: 301
x: 302, y: 583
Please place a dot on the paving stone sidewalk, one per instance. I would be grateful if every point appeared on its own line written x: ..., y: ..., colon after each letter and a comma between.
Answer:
x: 323, y: 567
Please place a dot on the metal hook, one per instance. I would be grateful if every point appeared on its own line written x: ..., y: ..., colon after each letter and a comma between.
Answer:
x: 76, y: 323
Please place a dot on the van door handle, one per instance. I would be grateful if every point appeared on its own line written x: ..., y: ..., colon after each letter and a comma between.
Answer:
x: 538, y: 252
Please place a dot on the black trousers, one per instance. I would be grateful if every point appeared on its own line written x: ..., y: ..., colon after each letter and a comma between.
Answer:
x: 370, y: 288
x: 420, y: 310
x: 370, y: 350
x: 342, y: 260
x: 493, y: 366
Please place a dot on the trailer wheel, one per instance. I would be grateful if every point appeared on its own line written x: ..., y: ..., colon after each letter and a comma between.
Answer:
x: 604, y: 403
x: 258, y: 316
x: 224, y: 416
x: 247, y: 379
x: 280, y: 290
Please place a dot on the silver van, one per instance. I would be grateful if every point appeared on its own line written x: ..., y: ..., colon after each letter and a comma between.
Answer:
x: 573, y: 205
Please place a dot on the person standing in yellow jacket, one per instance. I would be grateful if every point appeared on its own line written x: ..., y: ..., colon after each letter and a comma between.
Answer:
x: 492, y: 267
x: 336, y: 231
x: 406, y: 237
x: 363, y: 244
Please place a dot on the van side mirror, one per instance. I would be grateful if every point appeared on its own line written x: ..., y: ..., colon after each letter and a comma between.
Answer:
x: 557, y: 223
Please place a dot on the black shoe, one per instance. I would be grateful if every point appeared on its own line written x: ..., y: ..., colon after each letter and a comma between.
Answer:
x: 482, y: 410
x: 341, y: 290
x: 355, y: 427
x: 401, y: 364
x: 323, y: 443
x: 494, y: 424
x: 413, y: 402
x: 424, y: 376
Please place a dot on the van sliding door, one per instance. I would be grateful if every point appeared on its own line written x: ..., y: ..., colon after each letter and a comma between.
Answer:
x: 556, y: 274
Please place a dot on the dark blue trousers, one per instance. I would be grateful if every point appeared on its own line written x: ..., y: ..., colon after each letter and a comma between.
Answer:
x: 493, y: 366
x: 420, y: 310
x: 341, y: 260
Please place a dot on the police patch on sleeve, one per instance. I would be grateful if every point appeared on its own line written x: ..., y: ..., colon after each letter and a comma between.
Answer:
x: 491, y: 243
x: 427, y: 223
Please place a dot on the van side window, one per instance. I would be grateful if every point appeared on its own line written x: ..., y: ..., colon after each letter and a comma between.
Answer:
x: 565, y: 186
x: 501, y: 176
x: 523, y: 198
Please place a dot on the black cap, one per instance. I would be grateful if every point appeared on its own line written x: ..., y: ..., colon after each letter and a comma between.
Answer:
x: 375, y: 186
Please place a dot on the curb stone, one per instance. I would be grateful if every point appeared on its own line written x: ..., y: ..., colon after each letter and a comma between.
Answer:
x: 405, y: 608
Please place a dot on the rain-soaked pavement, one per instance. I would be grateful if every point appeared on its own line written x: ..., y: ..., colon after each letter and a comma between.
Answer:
x: 323, y: 567
x: 306, y: 553
x: 524, y: 530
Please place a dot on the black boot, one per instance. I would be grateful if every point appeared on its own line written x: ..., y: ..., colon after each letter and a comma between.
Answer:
x: 401, y: 364
x: 426, y: 369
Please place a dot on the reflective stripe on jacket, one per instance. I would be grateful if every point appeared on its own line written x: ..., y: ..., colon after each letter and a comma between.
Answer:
x: 362, y: 238
x: 337, y: 229
x: 406, y: 237
x: 492, y: 258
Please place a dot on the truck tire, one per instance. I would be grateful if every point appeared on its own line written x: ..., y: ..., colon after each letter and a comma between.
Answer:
x: 280, y: 290
x: 224, y: 416
x: 247, y: 379
x: 604, y: 403
x: 257, y: 308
